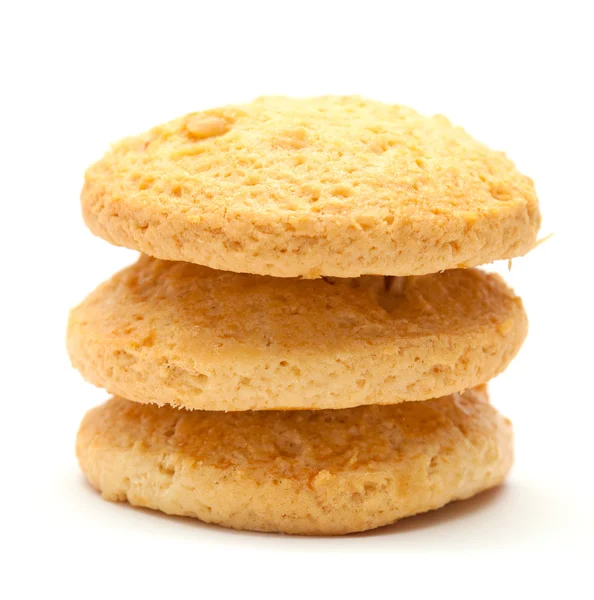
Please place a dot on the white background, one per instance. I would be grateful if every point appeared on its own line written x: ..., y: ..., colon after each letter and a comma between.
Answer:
x: 78, y: 76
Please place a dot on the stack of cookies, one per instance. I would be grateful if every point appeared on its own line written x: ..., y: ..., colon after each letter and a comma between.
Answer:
x: 304, y: 343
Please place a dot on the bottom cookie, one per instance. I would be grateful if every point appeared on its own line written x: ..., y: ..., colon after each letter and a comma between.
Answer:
x: 323, y: 472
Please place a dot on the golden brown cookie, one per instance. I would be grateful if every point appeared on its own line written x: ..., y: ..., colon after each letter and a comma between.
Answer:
x: 337, y: 186
x: 194, y: 337
x: 304, y: 472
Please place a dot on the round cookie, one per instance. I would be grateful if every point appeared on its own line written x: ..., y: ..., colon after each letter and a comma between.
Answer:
x: 306, y: 472
x: 335, y: 186
x: 190, y: 336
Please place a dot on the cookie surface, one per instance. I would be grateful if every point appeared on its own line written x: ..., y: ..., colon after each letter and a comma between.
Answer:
x: 190, y: 336
x: 304, y: 472
x: 336, y: 186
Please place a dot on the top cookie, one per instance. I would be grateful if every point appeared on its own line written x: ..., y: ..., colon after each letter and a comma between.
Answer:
x: 330, y: 186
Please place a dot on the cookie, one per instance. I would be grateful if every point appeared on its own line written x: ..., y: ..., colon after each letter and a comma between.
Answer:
x: 335, y: 186
x: 190, y: 336
x: 305, y: 472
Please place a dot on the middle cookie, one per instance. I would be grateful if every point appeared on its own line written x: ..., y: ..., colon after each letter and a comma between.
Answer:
x: 190, y: 336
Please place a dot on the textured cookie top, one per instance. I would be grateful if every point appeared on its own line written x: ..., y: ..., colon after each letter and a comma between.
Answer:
x: 172, y: 332
x: 219, y: 311
x: 269, y: 444
x: 338, y: 186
